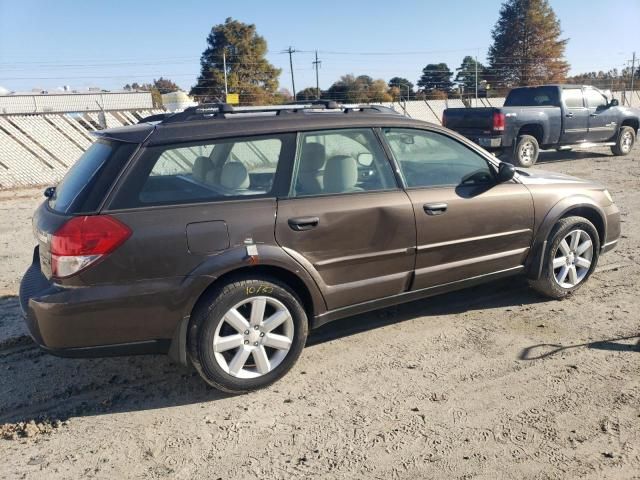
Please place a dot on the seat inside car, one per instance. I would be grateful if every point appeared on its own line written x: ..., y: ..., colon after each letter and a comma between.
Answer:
x: 233, y: 177
x: 201, y: 168
x: 341, y: 175
x: 312, y: 159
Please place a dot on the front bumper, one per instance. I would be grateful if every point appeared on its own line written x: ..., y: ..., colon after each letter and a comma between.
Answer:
x: 102, y: 320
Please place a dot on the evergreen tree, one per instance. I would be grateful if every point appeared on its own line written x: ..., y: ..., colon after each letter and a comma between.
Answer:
x: 527, y: 48
x: 248, y: 71
x: 436, y: 76
x: 404, y: 87
x: 467, y: 73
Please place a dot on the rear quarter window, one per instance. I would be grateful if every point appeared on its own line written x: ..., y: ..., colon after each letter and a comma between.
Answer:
x: 86, y: 183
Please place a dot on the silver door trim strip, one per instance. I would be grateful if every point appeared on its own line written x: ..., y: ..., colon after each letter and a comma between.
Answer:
x: 360, y: 257
x: 469, y: 261
x: 471, y: 239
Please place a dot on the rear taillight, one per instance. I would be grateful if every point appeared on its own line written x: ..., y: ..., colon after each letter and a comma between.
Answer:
x: 84, y: 240
x: 498, y: 122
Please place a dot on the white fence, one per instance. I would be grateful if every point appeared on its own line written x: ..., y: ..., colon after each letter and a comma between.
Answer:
x: 74, y: 102
x: 39, y: 149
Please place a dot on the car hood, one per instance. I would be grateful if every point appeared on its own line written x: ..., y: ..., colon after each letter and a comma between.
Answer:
x: 543, y: 177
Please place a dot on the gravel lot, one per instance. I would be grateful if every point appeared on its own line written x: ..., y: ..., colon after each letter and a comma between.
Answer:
x: 491, y: 382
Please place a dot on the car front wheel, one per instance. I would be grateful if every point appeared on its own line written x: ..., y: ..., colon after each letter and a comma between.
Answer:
x: 247, y: 334
x: 571, y: 256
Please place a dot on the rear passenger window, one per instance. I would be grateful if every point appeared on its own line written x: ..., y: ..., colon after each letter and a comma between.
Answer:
x: 208, y: 171
x: 572, y: 97
x: 340, y: 161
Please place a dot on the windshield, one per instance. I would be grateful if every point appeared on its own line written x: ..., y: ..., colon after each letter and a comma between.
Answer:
x: 87, y: 181
x: 533, y: 97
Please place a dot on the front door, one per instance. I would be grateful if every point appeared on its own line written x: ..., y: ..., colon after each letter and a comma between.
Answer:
x: 575, y: 121
x: 467, y: 224
x: 602, y: 119
x: 346, y: 220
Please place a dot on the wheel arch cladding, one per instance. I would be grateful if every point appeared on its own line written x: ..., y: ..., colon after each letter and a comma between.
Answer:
x: 631, y: 122
x: 535, y: 130
x: 290, y: 279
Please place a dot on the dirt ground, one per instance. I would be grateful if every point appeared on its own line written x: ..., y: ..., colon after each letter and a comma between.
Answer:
x: 487, y: 383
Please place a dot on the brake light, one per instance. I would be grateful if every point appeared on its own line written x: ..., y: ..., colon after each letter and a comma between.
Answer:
x: 498, y: 121
x: 84, y: 240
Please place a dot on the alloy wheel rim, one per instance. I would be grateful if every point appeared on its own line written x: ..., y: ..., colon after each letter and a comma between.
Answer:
x: 254, y: 337
x: 626, y: 141
x: 526, y: 152
x: 572, y: 259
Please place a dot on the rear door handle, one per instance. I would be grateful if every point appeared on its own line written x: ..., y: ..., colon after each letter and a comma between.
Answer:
x: 301, y: 224
x: 435, y: 208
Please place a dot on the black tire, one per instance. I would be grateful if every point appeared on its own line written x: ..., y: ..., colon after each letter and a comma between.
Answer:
x: 209, y: 314
x: 624, y: 142
x: 547, y: 283
x: 525, y: 151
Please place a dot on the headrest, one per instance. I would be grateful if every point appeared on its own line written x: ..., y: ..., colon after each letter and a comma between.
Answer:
x: 312, y: 157
x: 340, y: 174
x: 201, y: 166
x: 234, y: 176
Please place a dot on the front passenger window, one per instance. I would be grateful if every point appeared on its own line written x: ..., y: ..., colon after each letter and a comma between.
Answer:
x: 430, y: 159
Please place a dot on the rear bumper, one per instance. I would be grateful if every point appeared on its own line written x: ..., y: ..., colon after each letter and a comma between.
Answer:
x: 486, y: 141
x: 103, y: 320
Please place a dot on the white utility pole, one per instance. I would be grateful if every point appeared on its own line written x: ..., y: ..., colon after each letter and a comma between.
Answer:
x: 224, y: 67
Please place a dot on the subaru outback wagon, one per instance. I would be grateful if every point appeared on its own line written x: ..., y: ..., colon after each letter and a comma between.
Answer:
x: 223, y: 236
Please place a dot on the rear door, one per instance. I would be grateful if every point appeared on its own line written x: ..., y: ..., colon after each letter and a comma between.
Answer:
x: 346, y: 219
x: 575, y: 124
x: 467, y: 224
x: 602, y: 119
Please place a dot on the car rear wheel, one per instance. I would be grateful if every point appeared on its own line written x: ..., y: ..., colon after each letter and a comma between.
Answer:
x: 525, y: 152
x: 571, y: 256
x: 624, y: 142
x: 247, y: 335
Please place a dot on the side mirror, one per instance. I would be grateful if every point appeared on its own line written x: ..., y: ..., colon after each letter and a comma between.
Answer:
x: 614, y: 102
x: 49, y: 191
x: 506, y: 171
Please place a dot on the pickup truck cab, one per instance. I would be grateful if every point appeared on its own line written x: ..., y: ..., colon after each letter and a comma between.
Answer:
x: 557, y: 117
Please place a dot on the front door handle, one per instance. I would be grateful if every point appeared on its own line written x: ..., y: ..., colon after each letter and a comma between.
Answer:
x: 435, y: 208
x: 593, y: 115
x: 301, y: 224
x: 569, y: 115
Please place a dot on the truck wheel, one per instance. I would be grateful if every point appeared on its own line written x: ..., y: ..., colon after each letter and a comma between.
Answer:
x: 525, y: 152
x: 624, y: 142
x: 570, y: 258
x: 247, y: 334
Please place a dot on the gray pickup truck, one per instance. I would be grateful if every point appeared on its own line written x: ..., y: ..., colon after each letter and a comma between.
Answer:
x: 558, y: 117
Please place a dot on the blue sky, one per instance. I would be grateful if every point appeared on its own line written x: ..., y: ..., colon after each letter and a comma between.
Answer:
x: 47, y: 44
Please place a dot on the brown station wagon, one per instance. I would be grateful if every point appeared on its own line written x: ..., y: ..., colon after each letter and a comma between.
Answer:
x: 222, y: 236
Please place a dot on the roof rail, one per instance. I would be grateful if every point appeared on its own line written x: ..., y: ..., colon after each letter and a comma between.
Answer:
x: 221, y: 110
